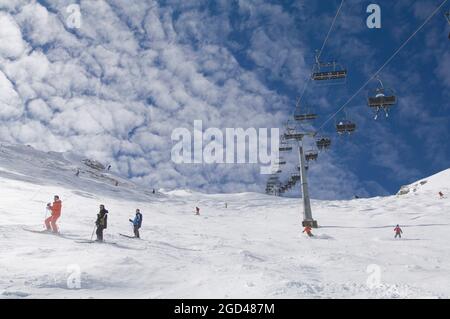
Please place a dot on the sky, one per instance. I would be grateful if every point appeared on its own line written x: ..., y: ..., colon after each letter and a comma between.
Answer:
x: 115, y: 88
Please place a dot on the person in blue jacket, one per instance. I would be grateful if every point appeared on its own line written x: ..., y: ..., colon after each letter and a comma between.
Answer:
x: 137, y: 223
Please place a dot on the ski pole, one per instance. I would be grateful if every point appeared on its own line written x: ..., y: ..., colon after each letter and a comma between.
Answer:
x: 46, y: 212
x: 92, y: 236
x: 132, y: 227
x: 45, y: 216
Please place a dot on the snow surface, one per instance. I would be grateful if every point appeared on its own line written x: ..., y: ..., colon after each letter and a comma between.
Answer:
x: 252, y: 249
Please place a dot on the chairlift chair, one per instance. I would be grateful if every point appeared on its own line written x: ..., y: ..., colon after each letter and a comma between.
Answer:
x: 311, y: 155
x: 328, y: 72
x: 294, y: 135
x: 285, y: 147
x: 303, y: 114
x: 381, y: 98
x: 323, y: 143
x: 291, y: 133
x: 345, y: 125
x: 280, y: 161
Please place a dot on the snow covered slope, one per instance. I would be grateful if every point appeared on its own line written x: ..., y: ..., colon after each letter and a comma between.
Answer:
x: 253, y: 249
x: 439, y: 182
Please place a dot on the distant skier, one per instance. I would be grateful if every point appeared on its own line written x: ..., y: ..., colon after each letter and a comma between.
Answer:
x: 153, y: 192
x: 137, y: 223
x: 441, y: 195
x: 101, y: 222
x: 398, y: 231
x: 109, y: 167
x: 308, y: 230
x: 77, y: 173
x: 55, y: 208
x: 226, y: 205
x: 197, y: 211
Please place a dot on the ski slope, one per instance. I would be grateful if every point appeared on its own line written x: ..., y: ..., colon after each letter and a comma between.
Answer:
x: 252, y: 249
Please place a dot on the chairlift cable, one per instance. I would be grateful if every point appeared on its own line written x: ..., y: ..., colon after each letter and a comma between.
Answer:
x: 382, y: 67
x: 321, y: 49
x: 329, y: 31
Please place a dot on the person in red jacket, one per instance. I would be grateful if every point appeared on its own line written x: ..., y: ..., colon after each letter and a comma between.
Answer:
x: 55, y: 208
x: 398, y: 231
x: 307, y: 230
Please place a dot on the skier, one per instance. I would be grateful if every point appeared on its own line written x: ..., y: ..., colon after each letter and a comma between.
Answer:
x: 50, y: 223
x: 109, y: 167
x: 77, y: 173
x: 137, y: 223
x: 101, y: 222
x: 398, y: 231
x: 307, y: 230
x: 441, y: 195
x: 197, y: 211
x: 226, y: 205
x: 153, y: 191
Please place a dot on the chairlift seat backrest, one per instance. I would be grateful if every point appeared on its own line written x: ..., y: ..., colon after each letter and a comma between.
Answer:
x: 330, y: 75
x: 382, y: 101
x: 305, y: 117
x: 293, y: 136
x: 285, y: 148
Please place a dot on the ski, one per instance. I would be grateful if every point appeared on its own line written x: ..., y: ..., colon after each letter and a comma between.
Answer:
x: 111, y: 243
x: 95, y: 242
x: 46, y: 232
x: 128, y: 236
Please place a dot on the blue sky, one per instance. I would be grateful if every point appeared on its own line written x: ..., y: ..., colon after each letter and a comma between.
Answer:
x: 116, y: 88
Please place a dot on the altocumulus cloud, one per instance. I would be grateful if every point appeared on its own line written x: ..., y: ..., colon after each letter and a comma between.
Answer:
x: 115, y: 88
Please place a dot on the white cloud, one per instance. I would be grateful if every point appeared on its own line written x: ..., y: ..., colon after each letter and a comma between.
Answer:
x: 10, y: 102
x: 12, y: 45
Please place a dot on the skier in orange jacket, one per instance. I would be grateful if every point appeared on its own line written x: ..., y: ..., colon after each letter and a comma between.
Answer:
x: 307, y: 230
x: 55, y: 208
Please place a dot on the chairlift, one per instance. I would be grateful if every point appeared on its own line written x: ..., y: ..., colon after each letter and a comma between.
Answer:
x: 345, y: 126
x: 303, y: 114
x: 311, y: 155
x: 323, y: 143
x: 280, y: 161
x: 285, y: 146
x: 293, y: 135
x: 328, y: 72
x: 381, y: 98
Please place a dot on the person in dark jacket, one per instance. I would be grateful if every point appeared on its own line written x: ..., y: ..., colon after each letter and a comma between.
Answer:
x: 101, y: 222
x: 137, y: 223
